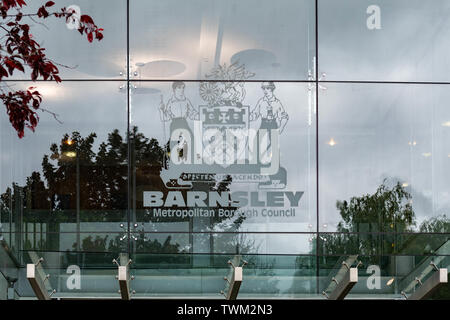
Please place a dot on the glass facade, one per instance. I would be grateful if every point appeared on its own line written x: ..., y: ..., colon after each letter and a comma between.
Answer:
x: 295, y: 135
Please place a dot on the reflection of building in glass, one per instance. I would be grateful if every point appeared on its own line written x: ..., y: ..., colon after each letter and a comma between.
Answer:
x: 171, y: 173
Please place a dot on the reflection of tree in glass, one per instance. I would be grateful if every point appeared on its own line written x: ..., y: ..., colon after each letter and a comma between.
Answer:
x: 436, y: 224
x: 101, y: 244
x: 74, y: 176
x: 40, y: 244
x: 379, y: 226
x: 370, y: 223
x: 387, y: 210
x: 263, y: 267
x: 5, y: 205
x: 304, y: 269
x: 384, y: 211
x: 92, y: 245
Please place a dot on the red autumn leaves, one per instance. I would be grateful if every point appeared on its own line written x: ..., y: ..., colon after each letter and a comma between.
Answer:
x: 18, y: 105
x: 19, y: 50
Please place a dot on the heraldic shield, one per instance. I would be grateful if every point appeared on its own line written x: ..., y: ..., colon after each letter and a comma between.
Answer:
x: 221, y: 143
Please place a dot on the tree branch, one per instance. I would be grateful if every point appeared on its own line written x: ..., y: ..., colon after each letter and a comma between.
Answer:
x: 55, y: 115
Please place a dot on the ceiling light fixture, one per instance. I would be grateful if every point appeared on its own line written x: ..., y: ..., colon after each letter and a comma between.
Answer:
x: 331, y: 142
x: 390, y: 281
x: 71, y: 154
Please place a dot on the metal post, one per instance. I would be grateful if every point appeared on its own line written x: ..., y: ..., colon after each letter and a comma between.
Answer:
x: 78, y: 200
x: 344, y: 286
x: 426, y: 289
x: 348, y: 277
x: 123, y: 275
x: 37, y: 281
x: 235, y: 280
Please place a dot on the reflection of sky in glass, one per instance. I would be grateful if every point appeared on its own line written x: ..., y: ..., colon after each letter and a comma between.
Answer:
x: 201, y: 33
x: 99, y: 60
x: 86, y: 107
x: 384, y: 131
x: 412, y: 44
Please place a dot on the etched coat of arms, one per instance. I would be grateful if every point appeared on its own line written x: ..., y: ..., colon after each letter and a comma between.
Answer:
x: 221, y: 139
